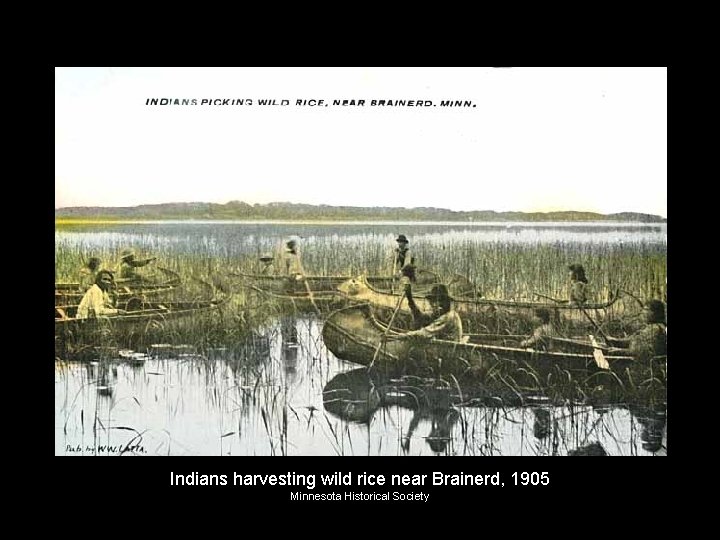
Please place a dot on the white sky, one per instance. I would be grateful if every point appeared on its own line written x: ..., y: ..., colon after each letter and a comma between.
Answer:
x: 539, y: 139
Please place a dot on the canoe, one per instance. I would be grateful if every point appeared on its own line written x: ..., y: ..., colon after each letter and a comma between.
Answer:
x: 300, y: 300
x: 71, y: 293
x: 500, y: 315
x: 354, y: 334
x: 324, y: 284
x: 315, y: 293
x: 157, y: 319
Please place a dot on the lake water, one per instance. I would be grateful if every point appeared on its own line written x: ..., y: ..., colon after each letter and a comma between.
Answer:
x: 272, y: 402
x: 284, y: 393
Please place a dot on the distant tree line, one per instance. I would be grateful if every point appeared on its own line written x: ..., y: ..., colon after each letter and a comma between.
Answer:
x: 290, y: 211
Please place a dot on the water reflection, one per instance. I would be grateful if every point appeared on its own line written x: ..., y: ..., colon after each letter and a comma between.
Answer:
x: 592, y: 449
x: 282, y: 393
x: 653, y: 422
x: 290, y: 343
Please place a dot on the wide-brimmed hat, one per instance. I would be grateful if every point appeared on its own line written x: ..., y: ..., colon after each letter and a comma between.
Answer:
x: 126, y: 253
x: 401, y: 238
x: 439, y: 292
x: 266, y: 257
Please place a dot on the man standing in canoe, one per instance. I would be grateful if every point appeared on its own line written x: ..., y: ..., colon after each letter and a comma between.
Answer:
x: 402, y: 256
x: 293, y: 267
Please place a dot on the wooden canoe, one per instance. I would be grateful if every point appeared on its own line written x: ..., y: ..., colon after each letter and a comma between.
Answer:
x: 324, y: 284
x: 71, y: 293
x: 497, y: 315
x: 354, y: 334
x: 159, y: 317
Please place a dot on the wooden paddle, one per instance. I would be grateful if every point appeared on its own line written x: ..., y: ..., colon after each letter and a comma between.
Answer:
x: 310, y: 294
x: 382, y: 339
x: 551, y: 298
x: 598, y: 355
x: 307, y: 285
x: 595, y: 325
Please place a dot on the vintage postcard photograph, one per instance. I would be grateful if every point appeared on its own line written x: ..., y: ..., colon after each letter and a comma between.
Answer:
x: 359, y: 261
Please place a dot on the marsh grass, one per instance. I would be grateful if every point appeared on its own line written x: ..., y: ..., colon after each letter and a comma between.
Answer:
x: 250, y: 382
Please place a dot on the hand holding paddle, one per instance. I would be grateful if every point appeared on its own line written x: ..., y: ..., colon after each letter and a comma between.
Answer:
x: 598, y: 355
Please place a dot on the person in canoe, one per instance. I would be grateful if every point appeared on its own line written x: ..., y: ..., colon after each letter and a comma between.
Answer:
x: 129, y: 263
x: 88, y: 273
x: 293, y: 266
x: 402, y: 256
x: 97, y: 301
x: 443, y: 323
x: 266, y: 267
x: 578, y: 285
x: 541, y: 336
x: 650, y: 340
x: 578, y: 293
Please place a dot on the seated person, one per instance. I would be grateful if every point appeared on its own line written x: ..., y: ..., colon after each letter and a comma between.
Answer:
x: 444, y: 323
x: 128, y: 264
x: 578, y: 284
x: 540, y: 339
x: 97, y: 301
x: 88, y: 273
x: 266, y: 268
x: 649, y: 341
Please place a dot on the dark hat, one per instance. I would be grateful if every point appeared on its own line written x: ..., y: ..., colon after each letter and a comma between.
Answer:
x: 291, y: 242
x: 266, y: 257
x: 401, y: 238
x: 576, y: 268
x: 439, y: 291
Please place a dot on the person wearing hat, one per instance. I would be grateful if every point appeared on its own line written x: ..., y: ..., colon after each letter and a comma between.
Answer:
x: 97, y: 301
x: 293, y: 267
x: 402, y: 256
x: 128, y: 264
x: 267, y: 268
x: 649, y: 341
x: 443, y: 323
x: 578, y: 284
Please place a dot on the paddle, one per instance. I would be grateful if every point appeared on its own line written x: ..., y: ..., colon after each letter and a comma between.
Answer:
x: 307, y: 285
x: 310, y: 294
x: 642, y: 305
x: 551, y: 298
x: 382, y: 339
x: 598, y: 354
x: 595, y: 325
